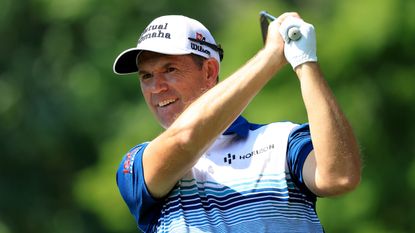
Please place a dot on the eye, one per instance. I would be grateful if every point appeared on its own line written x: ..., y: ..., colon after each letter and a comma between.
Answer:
x: 171, y: 69
x: 144, y: 76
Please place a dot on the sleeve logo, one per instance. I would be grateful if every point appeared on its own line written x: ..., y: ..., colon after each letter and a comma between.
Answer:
x: 129, y: 161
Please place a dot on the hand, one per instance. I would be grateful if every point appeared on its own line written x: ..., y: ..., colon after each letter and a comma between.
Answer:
x: 274, y: 43
x: 300, y: 51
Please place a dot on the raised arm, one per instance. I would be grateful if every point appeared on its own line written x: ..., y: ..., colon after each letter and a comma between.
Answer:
x: 334, y: 166
x: 172, y: 154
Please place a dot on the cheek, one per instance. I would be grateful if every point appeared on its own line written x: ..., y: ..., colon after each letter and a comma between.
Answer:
x: 146, y: 95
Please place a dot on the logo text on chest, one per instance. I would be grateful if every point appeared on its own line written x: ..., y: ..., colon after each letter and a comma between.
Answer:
x: 232, y: 157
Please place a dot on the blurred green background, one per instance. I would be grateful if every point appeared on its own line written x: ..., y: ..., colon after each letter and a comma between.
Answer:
x: 66, y: 120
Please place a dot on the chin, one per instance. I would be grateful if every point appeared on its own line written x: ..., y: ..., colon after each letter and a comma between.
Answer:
x: 165, y: 126
x: 165, y: 123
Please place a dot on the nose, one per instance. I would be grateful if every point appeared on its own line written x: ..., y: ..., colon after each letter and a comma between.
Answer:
x: 159, y: 83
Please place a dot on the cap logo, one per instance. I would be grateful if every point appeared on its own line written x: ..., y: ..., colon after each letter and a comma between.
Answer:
x: 154, y: 30
x: 197, y: 47
x: 199, y: 36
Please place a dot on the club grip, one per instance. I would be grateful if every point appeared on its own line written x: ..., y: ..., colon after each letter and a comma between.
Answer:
x: 264, y: 19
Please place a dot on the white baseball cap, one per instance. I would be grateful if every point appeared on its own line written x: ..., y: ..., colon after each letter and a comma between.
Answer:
x: 172, y: 35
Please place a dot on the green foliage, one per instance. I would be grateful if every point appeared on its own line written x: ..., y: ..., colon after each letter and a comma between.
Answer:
x: 67, y: 120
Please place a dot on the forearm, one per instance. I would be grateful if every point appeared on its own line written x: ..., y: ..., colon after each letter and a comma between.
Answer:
x: 222, y: 104
x: 207, y: 117
x: 336, y: 151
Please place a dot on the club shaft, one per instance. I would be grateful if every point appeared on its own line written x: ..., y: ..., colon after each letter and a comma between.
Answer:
x: 268, y: 16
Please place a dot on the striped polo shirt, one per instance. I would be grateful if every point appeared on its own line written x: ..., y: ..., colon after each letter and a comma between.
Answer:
x: 249, y: 180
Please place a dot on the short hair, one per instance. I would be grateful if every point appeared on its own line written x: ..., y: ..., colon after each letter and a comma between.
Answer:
x: 199, y: 60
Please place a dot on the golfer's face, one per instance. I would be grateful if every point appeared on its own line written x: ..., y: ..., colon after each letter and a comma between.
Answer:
x: 170, y: 84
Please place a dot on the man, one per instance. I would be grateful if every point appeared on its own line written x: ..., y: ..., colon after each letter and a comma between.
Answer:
x: 211, y: 170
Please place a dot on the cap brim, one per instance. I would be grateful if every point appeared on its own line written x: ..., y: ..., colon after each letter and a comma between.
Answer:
x: 125, y: 63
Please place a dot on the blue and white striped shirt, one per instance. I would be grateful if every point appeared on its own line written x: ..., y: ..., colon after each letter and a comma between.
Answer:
x: 249, y: 180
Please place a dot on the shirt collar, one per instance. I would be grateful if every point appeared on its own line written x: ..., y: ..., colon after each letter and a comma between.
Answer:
x: 240, y: 126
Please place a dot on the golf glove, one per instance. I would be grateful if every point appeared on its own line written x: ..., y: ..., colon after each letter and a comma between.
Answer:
x: 302, y: 50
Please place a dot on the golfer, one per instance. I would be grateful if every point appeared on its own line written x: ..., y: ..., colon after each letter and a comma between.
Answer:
x: 211, y: 170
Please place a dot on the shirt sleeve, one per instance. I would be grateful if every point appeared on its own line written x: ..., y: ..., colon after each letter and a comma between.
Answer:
x: 130, y: 182
x: 299, y: 147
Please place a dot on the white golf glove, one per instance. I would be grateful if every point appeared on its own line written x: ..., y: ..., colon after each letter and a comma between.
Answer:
x: 299, y: 51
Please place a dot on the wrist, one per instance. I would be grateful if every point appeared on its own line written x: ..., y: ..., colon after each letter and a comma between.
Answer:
x: 301, y: 69
x: 273, y: 57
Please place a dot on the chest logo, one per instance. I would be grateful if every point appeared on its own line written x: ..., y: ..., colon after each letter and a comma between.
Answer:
x: 229, y: 158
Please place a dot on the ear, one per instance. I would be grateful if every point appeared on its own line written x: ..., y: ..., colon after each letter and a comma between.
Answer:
x: 211, y: 67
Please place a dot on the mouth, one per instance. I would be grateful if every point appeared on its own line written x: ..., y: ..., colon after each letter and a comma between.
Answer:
x: 165, y: 103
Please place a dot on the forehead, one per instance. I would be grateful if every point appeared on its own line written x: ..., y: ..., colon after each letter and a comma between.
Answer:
x: 146, y: 58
